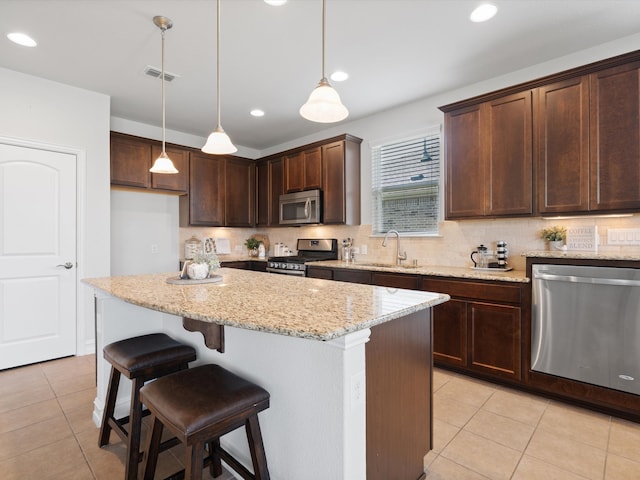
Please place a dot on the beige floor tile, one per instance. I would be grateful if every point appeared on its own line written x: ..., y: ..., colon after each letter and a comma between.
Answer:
x: 582, y: 425
x: 440, y: 378
x: 445, y: 469
x: 23, y: 440
x: 81, y: 418
x: 568, y: 454
x: 68, y: 367
x: 482, y: 455
x: 29, y: 415
x: 474, y: 393
x: 13, y: 400
x: 625, y: 439
x: 73, y: 401
x: 502, y: 430
x: 429, y: 459
x: 67, y: 385
x: 621, y: 468
x: 448, y: 409
x: 13, y: 381
x: 531, y: 468
x: 517, y: 406
x: 58, y: 460
x: 442, y: 434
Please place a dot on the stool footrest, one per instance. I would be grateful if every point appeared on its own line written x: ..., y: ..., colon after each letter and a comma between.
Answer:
x: 235, y: 464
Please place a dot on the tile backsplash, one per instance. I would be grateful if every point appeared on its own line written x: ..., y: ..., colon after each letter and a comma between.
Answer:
x: 452, y: 247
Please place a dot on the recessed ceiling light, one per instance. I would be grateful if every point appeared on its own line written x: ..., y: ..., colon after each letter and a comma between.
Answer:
x: 339, y: 76
x: 483, y: 13
x: 22, y: 39
x: 275, y: 3
x: 257, y: 112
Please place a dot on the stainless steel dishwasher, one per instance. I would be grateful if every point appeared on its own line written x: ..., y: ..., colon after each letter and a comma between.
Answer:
x: 586, y: 324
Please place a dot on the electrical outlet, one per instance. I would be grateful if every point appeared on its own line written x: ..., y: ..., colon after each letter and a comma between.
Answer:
x: 358, y: 392
x: 363, y: 249
x: 154, y: 248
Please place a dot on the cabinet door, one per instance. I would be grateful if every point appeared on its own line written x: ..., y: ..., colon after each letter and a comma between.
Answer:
x: 270, y: 187
x: 464, y: 181
x: 494, y: 339
x: 130, y: 161
x: 333, y: 201
x: 239, y: 192
x: 317, y: 272
x: 563, y: 146
x: 615, y: 138
x: 450, y: 333
x: 178, y: 182
x: 509, y: 156
x: 352, y: 276
x: 303, y: 171
x: 263, y: 194
x: 394, y: 280
x: 206, y: 190
x: 312, y: 168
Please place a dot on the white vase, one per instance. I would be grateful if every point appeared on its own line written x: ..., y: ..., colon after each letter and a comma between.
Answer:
x: 198, y: 271
x: 556, y: 244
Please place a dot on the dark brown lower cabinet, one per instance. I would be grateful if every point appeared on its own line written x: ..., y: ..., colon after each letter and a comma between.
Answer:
x: 480, y: 329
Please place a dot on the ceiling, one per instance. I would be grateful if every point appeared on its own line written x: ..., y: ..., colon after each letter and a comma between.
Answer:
x: 396, y: 51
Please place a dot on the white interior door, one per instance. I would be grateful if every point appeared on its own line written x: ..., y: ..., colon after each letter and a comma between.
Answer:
x: 37, y: 255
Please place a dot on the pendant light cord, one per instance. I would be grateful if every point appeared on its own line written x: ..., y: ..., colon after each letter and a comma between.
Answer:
x: 323, y: 28
x: 218, y: 60
x: 163, y: 107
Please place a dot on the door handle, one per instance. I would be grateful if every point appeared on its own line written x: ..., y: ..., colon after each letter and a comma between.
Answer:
x: 67, y: 265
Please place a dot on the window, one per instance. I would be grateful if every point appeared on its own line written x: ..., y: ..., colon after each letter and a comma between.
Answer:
x: 406, y: 184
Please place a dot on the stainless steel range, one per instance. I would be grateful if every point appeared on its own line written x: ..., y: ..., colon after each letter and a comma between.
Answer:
x: 309, y: 250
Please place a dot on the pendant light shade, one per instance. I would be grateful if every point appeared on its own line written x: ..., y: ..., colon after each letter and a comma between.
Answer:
x: 324, y: 105
x: 163, y: 163
x: 218, y: 142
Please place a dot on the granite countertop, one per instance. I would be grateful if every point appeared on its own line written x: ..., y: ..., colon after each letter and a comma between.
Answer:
x: 281, y: 304
x: 440, y: 271
x: 629, y: 256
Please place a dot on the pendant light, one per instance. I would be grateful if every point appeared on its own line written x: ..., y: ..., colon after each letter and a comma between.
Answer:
x: 324, y: 105
x: 163, y: 163
x: 218, y: 142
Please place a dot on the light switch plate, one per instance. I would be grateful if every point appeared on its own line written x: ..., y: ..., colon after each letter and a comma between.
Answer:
x: 623, y: 236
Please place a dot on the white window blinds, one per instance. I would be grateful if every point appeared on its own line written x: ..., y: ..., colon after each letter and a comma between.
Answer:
x: 406, y: 184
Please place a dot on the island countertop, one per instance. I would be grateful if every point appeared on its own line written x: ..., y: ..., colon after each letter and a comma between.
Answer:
x: 280, y: 304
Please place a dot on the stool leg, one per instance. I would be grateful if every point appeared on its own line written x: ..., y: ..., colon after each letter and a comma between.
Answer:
x: 153, y: 448
x: 110, y: 404
x: 256, y: 447
x: 193, y: 462
x: 215, y: 468
x: 135, y: 426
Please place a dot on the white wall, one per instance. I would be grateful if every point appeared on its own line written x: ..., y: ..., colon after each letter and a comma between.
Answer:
x: 139, y: 222
x: 42, y: 111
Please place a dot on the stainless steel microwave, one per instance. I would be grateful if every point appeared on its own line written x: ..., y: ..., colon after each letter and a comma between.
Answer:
x: 300, y: 208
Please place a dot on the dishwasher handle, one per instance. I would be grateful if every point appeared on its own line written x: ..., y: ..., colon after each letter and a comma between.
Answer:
x: 592, y: 280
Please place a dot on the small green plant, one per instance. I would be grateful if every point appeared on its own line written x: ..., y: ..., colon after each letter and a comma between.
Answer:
x: 210, y: 259
x: 252, y: 243
x: 555, y: 233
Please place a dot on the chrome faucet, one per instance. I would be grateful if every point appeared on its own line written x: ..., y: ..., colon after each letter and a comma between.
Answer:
x: 399, y: 256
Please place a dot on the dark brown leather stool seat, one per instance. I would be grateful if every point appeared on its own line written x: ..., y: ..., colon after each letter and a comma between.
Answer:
x: 141, y: 359
x: 198, y: 406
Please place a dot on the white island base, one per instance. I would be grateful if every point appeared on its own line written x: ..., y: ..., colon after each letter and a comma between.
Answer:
x: 317, y: 425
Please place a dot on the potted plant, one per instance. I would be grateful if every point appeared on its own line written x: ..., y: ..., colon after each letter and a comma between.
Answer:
x: 252, y: 245
x: 203, y: 265
x: 555, y: 236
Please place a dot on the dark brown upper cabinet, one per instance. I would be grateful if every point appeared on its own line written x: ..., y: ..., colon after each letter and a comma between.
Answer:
x: 132, y: 157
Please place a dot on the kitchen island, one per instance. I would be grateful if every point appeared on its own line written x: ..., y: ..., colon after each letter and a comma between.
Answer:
x: 348, y: 366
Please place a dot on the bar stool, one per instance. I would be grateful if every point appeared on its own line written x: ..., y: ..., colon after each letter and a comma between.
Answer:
x: 140, y: 359
x: 198, y: 406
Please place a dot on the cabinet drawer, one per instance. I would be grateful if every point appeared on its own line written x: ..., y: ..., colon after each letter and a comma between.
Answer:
x: 492, y: 292
x: 352, y: 276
